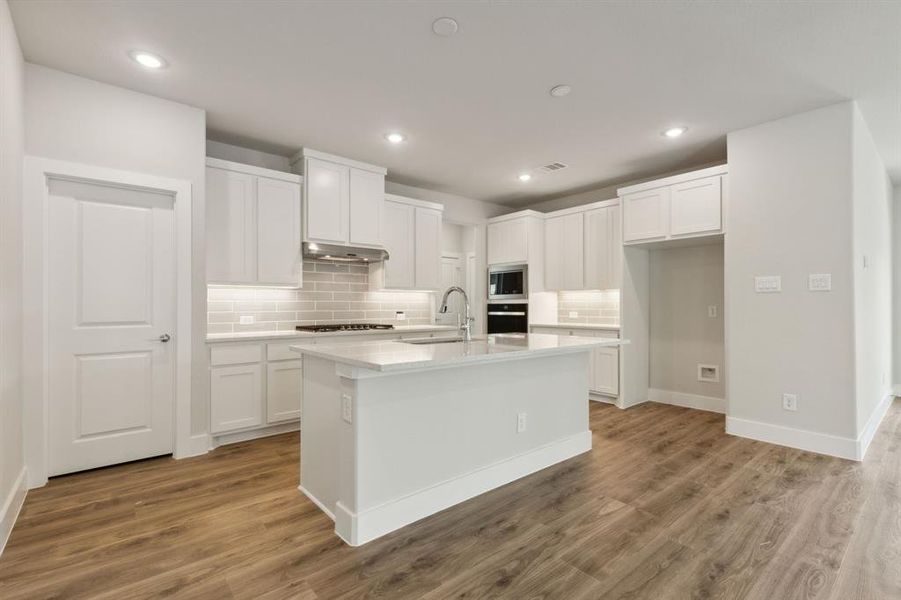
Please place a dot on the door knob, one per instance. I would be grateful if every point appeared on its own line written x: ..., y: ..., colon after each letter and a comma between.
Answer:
x: 165, y: 338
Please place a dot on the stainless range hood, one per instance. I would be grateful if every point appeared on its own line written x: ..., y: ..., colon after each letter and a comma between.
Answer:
x: 346, y: 254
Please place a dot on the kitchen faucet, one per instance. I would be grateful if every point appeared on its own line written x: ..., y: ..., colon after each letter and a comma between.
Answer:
x: 466, y: 326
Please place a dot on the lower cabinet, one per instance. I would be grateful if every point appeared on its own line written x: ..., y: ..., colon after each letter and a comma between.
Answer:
x: 603, y: 367
x: 284, y: 385
x: 235, y: 397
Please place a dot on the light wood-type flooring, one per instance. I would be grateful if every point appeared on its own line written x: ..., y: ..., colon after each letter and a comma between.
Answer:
x: 666, y: 505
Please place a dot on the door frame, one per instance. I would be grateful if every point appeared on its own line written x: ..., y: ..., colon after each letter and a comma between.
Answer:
x: 37, y: 172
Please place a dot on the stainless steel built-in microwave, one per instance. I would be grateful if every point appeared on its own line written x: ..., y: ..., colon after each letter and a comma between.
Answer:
x: 508, y: 282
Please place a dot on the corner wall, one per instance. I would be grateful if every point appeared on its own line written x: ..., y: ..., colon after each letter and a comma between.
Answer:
x: 80, y: 120
x: 790, y: 214
x: 12, y: 461
x: 896, y: 302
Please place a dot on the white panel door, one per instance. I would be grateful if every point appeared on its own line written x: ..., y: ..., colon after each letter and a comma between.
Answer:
x: 398, y: 230
x: 696, y: 206
x: 645, y: 215
x: 326, y: 201
x: 236, y: 395
x: 278, y: 232
x: 428, y: 249
x: 367, y: 196
x: 284, y: 389
x: 111, y: 296
x: 230, y: 227
x: 554, y: 258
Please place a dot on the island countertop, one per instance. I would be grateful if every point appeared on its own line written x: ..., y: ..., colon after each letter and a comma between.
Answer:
x: 395, y: 356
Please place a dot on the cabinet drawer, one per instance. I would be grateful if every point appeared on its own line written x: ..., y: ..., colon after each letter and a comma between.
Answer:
x: 235, y: 355
x: 282, y: 351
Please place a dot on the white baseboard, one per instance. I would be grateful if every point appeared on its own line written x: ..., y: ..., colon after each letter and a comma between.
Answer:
x: 602, y: 398
x: 317, y: 502
x: 812, y: 441
x: 198, y: 445
x: 696, y: 401
x: 897, y: 390
x: 801, y: 439
x: 367, y: 525
x: 869, y: 431
x: 254, y: 434
x: 12, y: 504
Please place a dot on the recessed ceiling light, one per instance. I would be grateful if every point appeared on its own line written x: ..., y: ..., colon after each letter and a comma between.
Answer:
x: 674, y: 132
x: 445, y: 26
x: 147, y: 59
x: 524, y: 177
x: 395, y: 138
x: 558, y: 91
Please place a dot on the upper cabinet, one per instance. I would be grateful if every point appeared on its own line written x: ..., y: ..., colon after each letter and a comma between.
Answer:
x: 682, y: 206
x: 252, y: 225
x: 412, y: 236
x: 518, y: 238
x: 343, y: 199
x: 583, y: 248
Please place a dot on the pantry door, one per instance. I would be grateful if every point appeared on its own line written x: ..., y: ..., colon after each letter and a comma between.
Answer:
x: 111, y: 315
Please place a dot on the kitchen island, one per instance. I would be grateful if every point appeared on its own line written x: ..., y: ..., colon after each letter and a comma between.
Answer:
x: 394, y: 431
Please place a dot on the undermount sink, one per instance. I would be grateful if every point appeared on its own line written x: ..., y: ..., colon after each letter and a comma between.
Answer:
x: 422, y: 341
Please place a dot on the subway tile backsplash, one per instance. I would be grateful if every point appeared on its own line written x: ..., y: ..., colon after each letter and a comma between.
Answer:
x: 331, y: 293
x: 592, y: 307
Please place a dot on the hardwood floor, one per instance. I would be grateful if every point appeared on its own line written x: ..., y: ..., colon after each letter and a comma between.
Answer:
x: 665, y: 506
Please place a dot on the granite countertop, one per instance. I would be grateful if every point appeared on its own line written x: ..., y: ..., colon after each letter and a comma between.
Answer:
x: 282, y: 335
x: 597, y: 326
x: 394, y: 356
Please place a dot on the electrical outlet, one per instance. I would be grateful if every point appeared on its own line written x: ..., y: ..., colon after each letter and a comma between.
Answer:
x: 520, y: 422
x: 400, y: 315
x: 573, y: 314
x: 711, y: 311
x: 347, y: 410
x: 819, y: 282
x: 790, y: 402
x: 246, y: 319
x: 768, y: 284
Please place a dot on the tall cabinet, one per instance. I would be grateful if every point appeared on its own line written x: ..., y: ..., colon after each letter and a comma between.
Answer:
x: 411, y: 232
x: 583, y: 248
x: 253, y: 225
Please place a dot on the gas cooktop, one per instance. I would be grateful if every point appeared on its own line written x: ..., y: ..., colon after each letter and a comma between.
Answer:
x: 342, y: 327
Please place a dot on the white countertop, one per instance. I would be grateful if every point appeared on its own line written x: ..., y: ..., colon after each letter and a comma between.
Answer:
x: 594, y: 326
x: 394, y: 356
x: 280, y: 335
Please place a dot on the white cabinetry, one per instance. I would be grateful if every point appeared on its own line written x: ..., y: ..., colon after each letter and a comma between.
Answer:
x: 564, y: 251
x: 412, y: 237
x: 252, y: 225
x: 681, y: 206
x: 603, y: 248
x: 518, y: 238
x: 342, y: 199
x: 236, y: 387
x: 603, y: 365
x: 284, y: 387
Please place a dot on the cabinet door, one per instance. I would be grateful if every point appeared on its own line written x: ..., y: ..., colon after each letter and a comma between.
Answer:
x: 597, y: 248
x: 614, y: 249
x: 508, y: 242
x: 604, y: 371
x: 284, y: 389
x: 235, y: 397
x: 398, y: 226
x: 326, y: 202
x: 496, y: 242
x: 696, y: 206
x: 428, y: 249
x: 573, y: 252
x: 554, y: 235
x: 230, y: 227
x: 645, y: 215
x: 278, y: 232
x: 367, y: 195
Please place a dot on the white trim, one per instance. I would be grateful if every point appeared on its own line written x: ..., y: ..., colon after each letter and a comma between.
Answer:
x: 696, y: 401
x: 582, y: 208
x: 414, y: 202
x: 897, y: 390
x: 367, y: 525
x: 334, y: 158
x: 36, y: 172
x: 11, y: 507
x: 229, y: 165
x: 869, y: 431
x: 674, y: 179
x: 517, y: 215
x: 199, y: 444
x: 602, y: 398
x: 255, y: 434
x: 317, y: 502
x: 801, y: 439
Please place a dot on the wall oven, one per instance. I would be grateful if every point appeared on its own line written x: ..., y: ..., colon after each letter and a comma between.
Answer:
x: 508, y: 282
x: 508, y: 318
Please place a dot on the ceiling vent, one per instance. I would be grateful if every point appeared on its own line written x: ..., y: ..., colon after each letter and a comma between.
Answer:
x: 552, y: 167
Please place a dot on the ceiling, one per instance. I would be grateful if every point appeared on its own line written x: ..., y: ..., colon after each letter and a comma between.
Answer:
x: 336, y: 76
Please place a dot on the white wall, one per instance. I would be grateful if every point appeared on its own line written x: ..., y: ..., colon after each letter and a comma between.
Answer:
x: 896, y: 313
x: 76, y: 119
x: 452, y: 237
x: 11, y: 150
x: 683, y: 283
x: 247, y: 156
x: 872, y: 205
x: 790, y: 214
